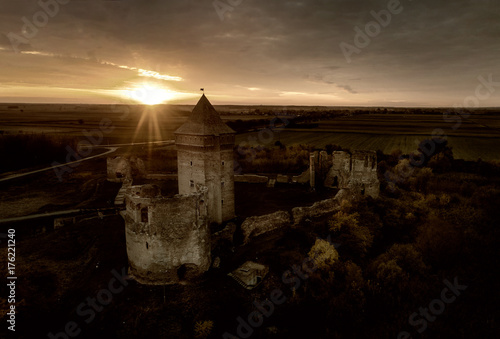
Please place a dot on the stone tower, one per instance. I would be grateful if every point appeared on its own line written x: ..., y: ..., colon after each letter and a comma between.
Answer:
x: 168, y: 238
x: 205, y: 157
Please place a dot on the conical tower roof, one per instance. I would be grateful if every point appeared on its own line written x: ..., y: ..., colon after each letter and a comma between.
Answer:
x: 204, y: 120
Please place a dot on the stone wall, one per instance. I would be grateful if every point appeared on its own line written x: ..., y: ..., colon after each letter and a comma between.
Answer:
x: 209, y: 163
x: 322, y: 208
x: 168, y: 239
x: 255, y: 226
x: 356, y: 171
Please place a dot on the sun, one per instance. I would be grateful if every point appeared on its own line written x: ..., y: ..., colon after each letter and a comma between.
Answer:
x: 150, y: 94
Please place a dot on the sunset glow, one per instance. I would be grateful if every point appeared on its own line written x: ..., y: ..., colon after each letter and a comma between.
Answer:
x: 150, y: 94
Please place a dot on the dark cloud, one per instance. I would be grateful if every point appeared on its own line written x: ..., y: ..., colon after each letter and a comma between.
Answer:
x: 277, y: 46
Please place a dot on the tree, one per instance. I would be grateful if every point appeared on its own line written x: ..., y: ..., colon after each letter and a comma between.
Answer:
x: 323, y: 254
x: 355, y: 238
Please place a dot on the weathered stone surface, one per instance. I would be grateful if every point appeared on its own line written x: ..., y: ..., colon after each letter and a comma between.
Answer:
x: 356, y: 171
x: 346, y: 194
x: 282, y: 178
x: 303, y: 178
x: 150, y: 191
x: 271, y: 182
x: 205, y: 157
x: 255, y: 226
x: 318, y: 209
x: 168, y: 239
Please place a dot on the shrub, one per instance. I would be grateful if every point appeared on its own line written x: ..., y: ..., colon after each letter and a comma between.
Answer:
x: 324, y: 254
x: 202, y: 329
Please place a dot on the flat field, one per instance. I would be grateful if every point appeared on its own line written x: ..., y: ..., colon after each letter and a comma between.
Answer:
x: 134, y: 123
x: 475, y: 137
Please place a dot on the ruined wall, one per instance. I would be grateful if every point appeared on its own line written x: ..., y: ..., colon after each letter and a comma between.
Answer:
x: 364, y: 173
x: 319, y: 164
x: 255, y: 226
x: 168, y: 239
x: 318, y: 209
x: 322, y: 208
x: 356, y: 171
x: 122, y: 169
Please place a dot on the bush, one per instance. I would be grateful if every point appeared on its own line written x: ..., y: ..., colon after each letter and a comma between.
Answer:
x: 202, y: 329
x: 323, y: 254
x: 356, y: 240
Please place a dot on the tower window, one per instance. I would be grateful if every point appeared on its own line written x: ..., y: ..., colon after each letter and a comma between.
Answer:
x: 223, y: 163
x: 222, y: 202
x: 222, y: 184
x: 144, y: 214
x: 191, y: 163
x: 191, y: 183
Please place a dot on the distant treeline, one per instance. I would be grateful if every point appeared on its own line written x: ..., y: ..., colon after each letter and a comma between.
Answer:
x: 19, y: 151
x: 241, y: 126
x: 291, y: 159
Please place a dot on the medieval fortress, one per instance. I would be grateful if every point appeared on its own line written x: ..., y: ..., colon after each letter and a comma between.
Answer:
x: 169, y: 239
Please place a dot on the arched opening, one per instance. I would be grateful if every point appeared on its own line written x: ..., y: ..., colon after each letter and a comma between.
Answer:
x: 147, y: 245
x: 336, y: 181
x: 181, y: 272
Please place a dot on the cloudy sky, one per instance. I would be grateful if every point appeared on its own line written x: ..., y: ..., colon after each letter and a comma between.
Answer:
x: 419, y: 53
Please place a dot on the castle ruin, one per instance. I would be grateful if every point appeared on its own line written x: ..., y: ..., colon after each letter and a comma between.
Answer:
x: 168, y: 239
x: 205, y: 157
x: 356, y: 171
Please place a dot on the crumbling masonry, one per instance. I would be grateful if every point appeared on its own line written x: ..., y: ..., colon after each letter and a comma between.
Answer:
x: 356, y: 171
x: 168, y: 239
